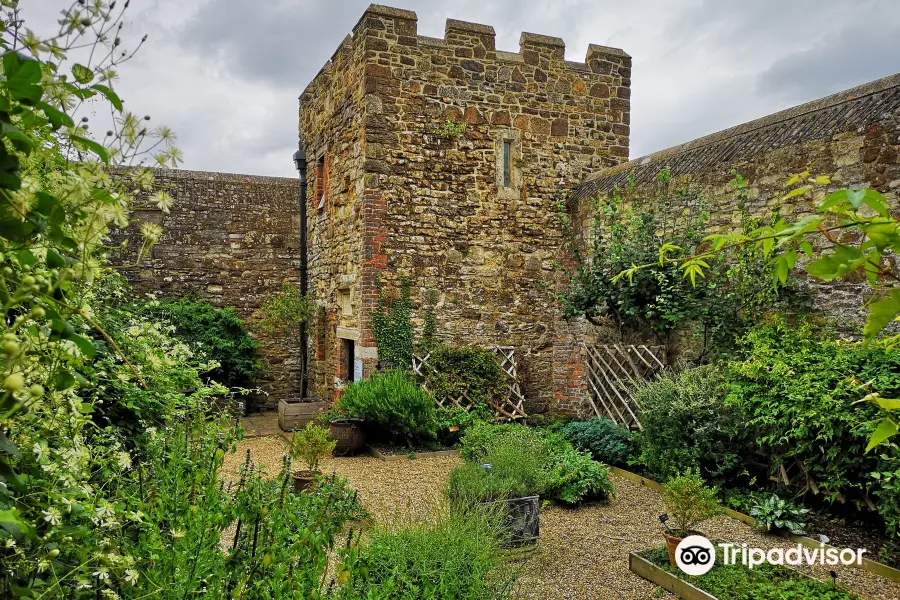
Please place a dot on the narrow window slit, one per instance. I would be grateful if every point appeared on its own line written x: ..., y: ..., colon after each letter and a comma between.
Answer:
x: 507, y: 152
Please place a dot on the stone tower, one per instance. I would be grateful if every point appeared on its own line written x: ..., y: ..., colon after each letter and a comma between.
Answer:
x: 444, y: 160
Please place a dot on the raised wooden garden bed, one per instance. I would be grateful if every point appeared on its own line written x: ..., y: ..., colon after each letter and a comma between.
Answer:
x: 296, y: 415
x: 646, y: 569
x: 653, y: 566
x: 871, y: 566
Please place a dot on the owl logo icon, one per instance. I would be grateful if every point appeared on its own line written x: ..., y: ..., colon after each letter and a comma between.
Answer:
x: 695, y: 555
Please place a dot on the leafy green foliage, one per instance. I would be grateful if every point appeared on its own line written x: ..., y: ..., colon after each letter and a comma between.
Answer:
x: 219, y: 333
x: 687, y: 426
x: 604, y: 440
x: 169, y: 367
x: 688, y: 502
x: 518, y: 468
x: 863, y: 242
x: 661, y: 297
x: 452, y: 129
x: 531, y: 460
x: 576, y: 478
x: 887, y: 489
x: 394, y: 402
x: 393, y: 329
x: 311, y: 445
x: 800, y: 390
x: 452, y: 421
x: 458, y: 557
x: 737, y: 582
x: 477, y: 442
x: 779, y: 514
x: 454, y: 371
x: 111, y: 466
x: 283, y: 312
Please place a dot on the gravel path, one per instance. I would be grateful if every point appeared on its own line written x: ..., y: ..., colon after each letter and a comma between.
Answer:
x: 583, y: 553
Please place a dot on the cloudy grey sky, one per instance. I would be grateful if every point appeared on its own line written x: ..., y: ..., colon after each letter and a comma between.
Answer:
x: 226, y: 74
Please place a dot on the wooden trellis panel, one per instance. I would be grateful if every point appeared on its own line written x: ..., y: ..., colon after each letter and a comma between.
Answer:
x: 613, y: 372
x: 508, y: 408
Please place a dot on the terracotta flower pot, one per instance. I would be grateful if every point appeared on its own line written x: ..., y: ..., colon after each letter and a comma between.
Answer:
x: 303, y: 479
x: 672, y: 543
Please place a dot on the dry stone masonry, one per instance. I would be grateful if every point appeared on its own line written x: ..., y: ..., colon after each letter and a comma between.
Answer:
x: 231, y: 239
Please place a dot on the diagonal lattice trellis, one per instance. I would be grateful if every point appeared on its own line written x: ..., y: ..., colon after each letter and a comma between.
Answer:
x: 508, y: 408
x: 613, y: 372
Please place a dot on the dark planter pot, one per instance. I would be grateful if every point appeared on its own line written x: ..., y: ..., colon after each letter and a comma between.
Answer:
x: 349, y: 437
x: 303, y: 479
x: 522, y: 523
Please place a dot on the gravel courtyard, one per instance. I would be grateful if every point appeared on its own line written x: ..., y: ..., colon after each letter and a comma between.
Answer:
x: 582, y: 553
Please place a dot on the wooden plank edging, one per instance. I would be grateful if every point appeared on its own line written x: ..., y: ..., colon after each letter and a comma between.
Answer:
x: 382, y: 456
x: 653, y: 574
x: 876, y: 568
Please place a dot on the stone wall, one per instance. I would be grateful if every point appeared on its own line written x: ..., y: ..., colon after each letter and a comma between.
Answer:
x: 331, y: 119
x: 434, y: 202
x: 230, y: 239
x: 853, y: 136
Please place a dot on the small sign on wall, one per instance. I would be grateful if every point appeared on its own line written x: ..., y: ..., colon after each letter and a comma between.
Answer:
x: 357, y: 369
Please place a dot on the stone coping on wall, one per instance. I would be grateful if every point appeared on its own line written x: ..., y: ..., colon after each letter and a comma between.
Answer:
x: 821, y: 118
x: 220, y: 176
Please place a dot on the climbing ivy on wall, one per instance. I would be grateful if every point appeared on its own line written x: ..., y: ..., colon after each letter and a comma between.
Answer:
x: 392, y: 326
x: 661, y: 299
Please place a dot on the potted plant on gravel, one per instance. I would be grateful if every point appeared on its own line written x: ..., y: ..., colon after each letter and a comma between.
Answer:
x: 310, y: 445
x: 347, y: 431
x: 688, y: 502
x: 513, y: 476
x: 393, y: 407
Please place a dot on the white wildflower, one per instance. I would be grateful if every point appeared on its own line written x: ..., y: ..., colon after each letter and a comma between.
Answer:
x: 124, y: 460
x: 104, y: 510
x: 163, y: 201
x: 40, y: 450
x: 83, y: 584
x: 102, y: 574
x: 131, y: 576
x: 52, y: 516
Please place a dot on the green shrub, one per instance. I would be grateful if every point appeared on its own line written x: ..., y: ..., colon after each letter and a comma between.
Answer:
x: 394, y: 402
x: 459, y: 557
x: 799, y: 388
x: 576, y: 477
x: 474, y: 372
x: 447, y: 417
x: 779, y: 514
x: 219, y: 332
x: 688, y: 502
x: 566, y: 474
x: 311, y: 445
x: 687, y: 426
x: 604, y: 440
x: 518, y: 468
x: 478, y: 441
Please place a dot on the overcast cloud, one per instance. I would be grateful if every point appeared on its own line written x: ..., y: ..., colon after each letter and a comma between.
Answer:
x: 226, y: 74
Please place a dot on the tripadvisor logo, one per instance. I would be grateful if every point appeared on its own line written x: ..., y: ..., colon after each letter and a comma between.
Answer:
x: 696, y: 555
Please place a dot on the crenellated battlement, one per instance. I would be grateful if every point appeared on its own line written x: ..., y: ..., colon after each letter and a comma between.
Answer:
x: 399, y: 28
